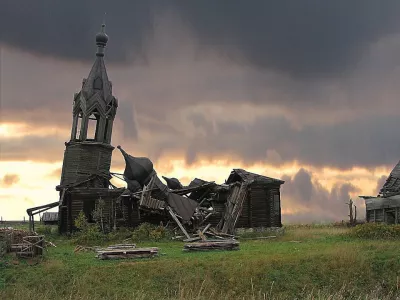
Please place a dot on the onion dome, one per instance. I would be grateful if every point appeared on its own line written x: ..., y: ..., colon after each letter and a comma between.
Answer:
x: 102, y: 37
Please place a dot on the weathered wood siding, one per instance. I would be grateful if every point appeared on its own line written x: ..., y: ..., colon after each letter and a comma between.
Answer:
x: 262, y: 207
x: 77, y: 200
x: 130, y: 213
x: 83, y: 159
x: 384, y: 215
x: 219, y: 208
x: 274, y: 207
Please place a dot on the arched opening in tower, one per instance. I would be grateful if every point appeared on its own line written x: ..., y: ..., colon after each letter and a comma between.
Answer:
x: 93, y: 124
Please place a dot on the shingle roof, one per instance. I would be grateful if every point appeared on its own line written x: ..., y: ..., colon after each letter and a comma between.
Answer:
x: 245, y: 175
x: 50, y: 216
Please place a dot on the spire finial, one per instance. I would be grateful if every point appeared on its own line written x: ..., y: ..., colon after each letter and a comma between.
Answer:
x: 104, y: 22
x: 101, y: 39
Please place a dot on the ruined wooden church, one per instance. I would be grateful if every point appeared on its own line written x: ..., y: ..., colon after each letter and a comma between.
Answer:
x: 244, y: 200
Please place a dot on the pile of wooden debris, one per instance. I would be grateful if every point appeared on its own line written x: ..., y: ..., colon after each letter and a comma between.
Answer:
x: 23, y: 242
x: 209, y: 238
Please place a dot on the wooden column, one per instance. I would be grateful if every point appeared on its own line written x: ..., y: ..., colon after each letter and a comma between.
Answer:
x: 101, y: 125
x: 84, y: 128
x: 109, y: 130
x: 74, y: 125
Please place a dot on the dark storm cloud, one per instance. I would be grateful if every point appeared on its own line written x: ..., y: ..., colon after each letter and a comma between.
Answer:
x: 269, y: 140
x: 298, y: 37
x: 303, y: 192
x: 66, y: 28
x: 343, y: 145
x: 127, y: 116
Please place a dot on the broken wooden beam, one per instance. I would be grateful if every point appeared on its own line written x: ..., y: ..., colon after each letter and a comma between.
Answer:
x: 178, y: 222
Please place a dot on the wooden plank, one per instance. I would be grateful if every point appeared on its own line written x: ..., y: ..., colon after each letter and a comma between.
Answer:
x: 206, y: 228
x: 177, y: 222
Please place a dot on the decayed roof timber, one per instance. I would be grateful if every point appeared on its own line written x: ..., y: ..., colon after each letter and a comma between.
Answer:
x: 244, y: 175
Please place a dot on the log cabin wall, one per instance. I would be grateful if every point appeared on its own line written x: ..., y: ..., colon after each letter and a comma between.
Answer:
x: 275, y: 206
x: 130, y: 213
x: 382, y: 209
x: 389, y: 215
x: 85, y: 200
x: 261, y: 208
x: 81, y: 159
x: 219, y: 208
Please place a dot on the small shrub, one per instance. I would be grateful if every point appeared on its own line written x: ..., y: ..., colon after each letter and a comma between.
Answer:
x: 149, y: 232
x: 47, y: 230
x: 120, y: 234
x: 376, y: 231
x: 88, y: 233
x: 81, y: 222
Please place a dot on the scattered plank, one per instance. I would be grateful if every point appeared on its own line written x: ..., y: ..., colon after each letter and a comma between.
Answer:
x: 260, y: 238
x: 126, y: 253
x: 193, y: 239
x: 212, y: 245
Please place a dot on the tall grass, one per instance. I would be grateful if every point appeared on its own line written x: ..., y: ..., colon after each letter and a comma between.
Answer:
x: 376, y: 231
x: 77, y: 291
x: 323, y: 262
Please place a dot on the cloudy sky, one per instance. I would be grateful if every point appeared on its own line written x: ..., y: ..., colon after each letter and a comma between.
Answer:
x: 305, y: 91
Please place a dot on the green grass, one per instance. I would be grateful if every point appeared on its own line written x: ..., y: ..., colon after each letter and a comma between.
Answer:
x: 308, y: 262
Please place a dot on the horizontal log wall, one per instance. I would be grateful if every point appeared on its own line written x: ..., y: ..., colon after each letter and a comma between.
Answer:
x: 75, y: 203
x: 219, y: 208
x: 130, y: 213
x: 262, y: 208
x: 83, y: 159
x: 275, y: 207
x: 390, y: 215
x: 260, y: 205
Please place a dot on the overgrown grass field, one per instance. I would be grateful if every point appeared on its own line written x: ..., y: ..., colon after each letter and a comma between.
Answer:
x: 307, y: 262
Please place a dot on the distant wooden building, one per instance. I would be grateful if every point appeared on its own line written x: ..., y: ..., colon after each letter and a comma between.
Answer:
x: 50, y: 218
x: 262, y: 208
x: 382, y: 209
x: 385, y: 207
x: 87, y: 158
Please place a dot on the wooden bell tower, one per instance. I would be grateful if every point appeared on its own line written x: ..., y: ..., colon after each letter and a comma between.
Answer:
x: 87, y: 157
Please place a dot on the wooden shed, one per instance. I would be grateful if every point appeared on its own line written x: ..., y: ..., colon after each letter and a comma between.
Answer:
x: 262, y: 208
x: 385, y: 207
x: 50, y: 218
x: 382, y: 209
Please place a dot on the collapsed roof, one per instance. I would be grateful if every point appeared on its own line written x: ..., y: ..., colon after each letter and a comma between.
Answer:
x: 392, y: 184
x: 196, y: 199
